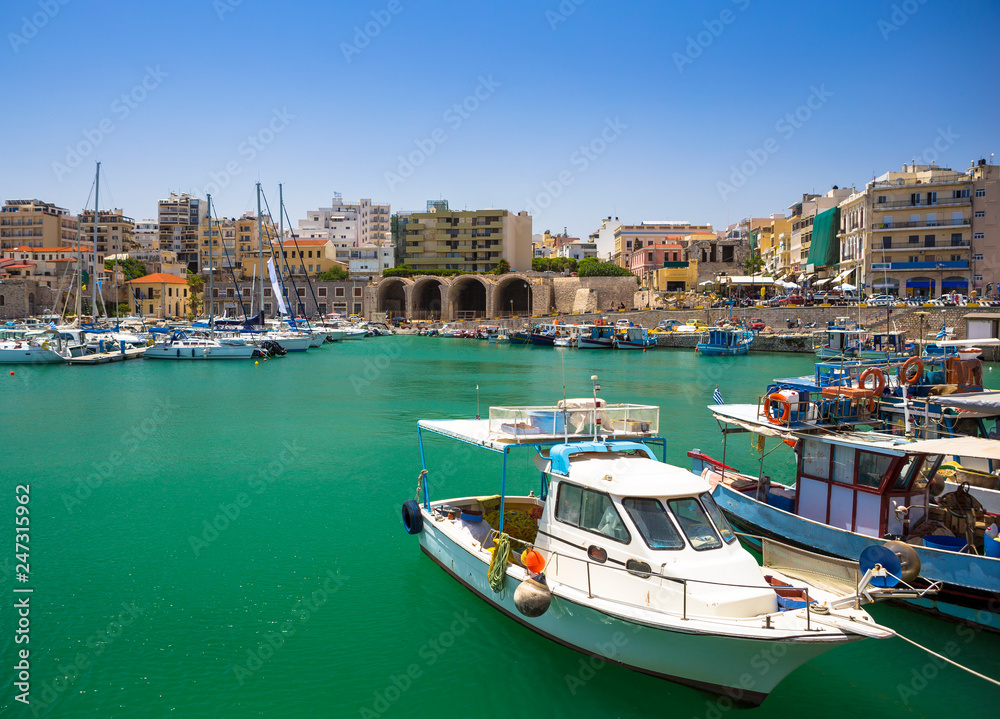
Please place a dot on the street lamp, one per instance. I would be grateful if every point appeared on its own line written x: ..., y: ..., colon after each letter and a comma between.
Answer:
x: 512, y: 308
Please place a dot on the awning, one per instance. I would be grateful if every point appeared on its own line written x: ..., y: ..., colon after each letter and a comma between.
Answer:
x: 824, y: 249
x: 706, y: 282
x: 748, y: 280
x: 985, y: 402
x: 817, y: 283
x: 844, y: 274
x: 957, y: 446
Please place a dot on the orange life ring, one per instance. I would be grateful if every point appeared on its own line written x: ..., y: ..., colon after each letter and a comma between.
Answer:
x: 784, y: 416
x: 879, y: 380
x: 904, y: 371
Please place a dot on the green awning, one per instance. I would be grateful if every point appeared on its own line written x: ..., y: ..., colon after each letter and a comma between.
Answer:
x: 753, y: 239
x: 825, y: 247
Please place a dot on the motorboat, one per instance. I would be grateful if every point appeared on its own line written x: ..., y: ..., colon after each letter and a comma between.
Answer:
x: 725, y: 341
x: 186, y: 345
x: 633, y: 338
x: 47, y: 347
x: 599, y: 337
x: 618, y: 543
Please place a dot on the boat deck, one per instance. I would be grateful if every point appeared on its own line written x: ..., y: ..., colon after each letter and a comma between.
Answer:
x: 106, y: 357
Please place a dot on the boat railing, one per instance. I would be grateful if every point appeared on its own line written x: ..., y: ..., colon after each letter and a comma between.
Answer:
x: 685, y: 584
x: 576, y: 419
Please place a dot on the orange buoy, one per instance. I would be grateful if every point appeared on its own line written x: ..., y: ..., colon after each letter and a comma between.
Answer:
x: 533, y: 561
x: 12, y: 373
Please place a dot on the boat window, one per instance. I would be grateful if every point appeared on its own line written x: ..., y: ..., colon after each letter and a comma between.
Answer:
x: 653, y: 523
x: 816, y: 458
x: 927, y: 470
x: 872, y: 468
x: 694, y: 523
x: 720, y: 520
x: 843, y: 464
x: 592, y: 511
x: 903, y: 480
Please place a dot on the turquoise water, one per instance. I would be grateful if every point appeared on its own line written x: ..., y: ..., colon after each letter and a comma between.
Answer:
x: 239, y: 553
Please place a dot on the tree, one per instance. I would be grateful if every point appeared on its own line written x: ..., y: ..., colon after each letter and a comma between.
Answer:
x: 592, y: 267
x: 131, y: 269
x: 196, y: 285
x: 335, y: 274
x: 753, y: 264
x: 502, y: 268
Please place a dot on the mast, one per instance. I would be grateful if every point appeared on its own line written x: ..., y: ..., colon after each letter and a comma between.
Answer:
x: 281, y: 236
x: 93, y: 280
x: 211, y: 268
x: 260, y: 241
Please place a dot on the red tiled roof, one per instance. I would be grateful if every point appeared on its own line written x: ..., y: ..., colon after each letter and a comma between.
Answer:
x: 18, y: 267
x: 160, y: 277
x: 303, y: 243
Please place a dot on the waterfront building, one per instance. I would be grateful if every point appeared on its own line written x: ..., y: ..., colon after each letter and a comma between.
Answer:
x: 604, y: 238
x: 179, y: 218
x: 646, y: 258
x: 909, y: 233
x: 629, y: 238
x: 802, y: 215
x: 674, y: 276
x: 349, y: 224
x: 986, y: 227
x: 301, y: 257
x: 159, y: 295
x: 471, y: 240
x: 48, y: 266
x: 321, y: 297
x: 33, y: 223
x: 370, y: 260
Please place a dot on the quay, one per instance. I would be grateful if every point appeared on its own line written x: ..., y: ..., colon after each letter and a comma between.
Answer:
x: 106, y: 357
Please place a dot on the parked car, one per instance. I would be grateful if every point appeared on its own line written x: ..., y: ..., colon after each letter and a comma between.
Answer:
x: 951, y: 299
x: 880, y: 301
x: 792, y: 300
x: 756, y: 324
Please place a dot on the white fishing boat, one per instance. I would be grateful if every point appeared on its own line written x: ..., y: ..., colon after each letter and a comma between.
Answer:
x: 619, y: 544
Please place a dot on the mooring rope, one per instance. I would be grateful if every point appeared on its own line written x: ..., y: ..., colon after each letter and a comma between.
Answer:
x: 498, y: 563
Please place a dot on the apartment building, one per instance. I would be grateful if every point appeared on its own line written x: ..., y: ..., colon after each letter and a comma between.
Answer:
x: 370, y: 260
x: 472, y: 240
x: 986, y: 227
x: 802, y: 215
x: 179, y: 218
x: 909, y: 233
x: 114, y: 235
x: 33, y: 223
x: 349, y: 224
x: 650, y: 257
x: 630, y: 238
x: 604, y: 238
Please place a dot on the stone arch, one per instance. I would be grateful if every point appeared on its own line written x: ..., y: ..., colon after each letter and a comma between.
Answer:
x: 427, y: 298
x: 391, y: 296
x: 469, y: 297
x: 514, y: 294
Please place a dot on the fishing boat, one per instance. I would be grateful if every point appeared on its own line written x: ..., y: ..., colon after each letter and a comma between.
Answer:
x: 501, y: 336
x: 854, y: 489
x: 725, y: 341
x: 600, y: 337
x: 840, y: 339
x: 885, y: 346
x: 521, y: 337
x: 633, y: 338
x: 544, y: 335
x: 617, y: 543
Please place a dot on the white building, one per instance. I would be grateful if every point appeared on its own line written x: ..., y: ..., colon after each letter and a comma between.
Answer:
x: 578, y: 250
x: 370, y: 260
x: 604, y: 238
x: 348, y: 224
x: 147, y: 235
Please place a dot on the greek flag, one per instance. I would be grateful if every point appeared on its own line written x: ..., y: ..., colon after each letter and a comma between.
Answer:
x: 717, y: 396
x: 942, y: 333
x: 52, y: 325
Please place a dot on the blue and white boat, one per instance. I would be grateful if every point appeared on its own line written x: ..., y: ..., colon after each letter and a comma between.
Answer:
x: 725, y: 342
x: 599, y: 337
x: 617, y: 543
x: 855, y: 489
x: 633, y: 338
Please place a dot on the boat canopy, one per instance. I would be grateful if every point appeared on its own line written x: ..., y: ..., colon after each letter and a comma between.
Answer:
x: 984, y: 402
x: 976, y: 447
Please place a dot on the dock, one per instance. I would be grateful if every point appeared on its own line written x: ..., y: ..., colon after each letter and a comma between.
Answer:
x: 105, y: 357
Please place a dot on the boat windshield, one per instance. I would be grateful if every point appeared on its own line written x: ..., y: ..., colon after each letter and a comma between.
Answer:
x: 720, y: 520
x: 653, y: 523
x: 592, y: 511
x: 694, y: 522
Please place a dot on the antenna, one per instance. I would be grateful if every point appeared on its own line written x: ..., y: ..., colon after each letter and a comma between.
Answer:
x: 597, y: 422
x: 565, y: 424
x: 477, y: 401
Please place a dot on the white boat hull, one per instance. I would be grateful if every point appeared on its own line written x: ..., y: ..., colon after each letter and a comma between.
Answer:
x: 734, y: 666
x: 29, y: 355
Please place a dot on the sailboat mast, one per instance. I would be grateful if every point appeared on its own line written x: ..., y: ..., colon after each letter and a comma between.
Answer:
x: 93, y: 280
x: 260, y: 241
x: 211, y: 267
x: 281, y: 230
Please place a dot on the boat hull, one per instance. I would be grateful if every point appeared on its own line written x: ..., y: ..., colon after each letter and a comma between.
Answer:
x: 543, y: 340
x: 31, y: 355
x: 630, y: 345
x: 719, y: 664
x: 716, y: 351
x: 970, y: 587
x: 588, y: 343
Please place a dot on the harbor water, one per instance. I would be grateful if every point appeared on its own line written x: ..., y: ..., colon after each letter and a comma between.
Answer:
x: 223, y: 539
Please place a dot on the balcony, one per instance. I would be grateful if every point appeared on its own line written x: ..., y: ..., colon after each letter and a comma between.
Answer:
x: 906, y: 245
x: 946, y: 202
x: 904, y: 224
x: 908, y: 266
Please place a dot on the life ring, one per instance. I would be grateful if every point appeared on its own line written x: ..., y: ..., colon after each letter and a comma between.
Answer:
x: 904, y: 371
x: 879, y: 380
x: 46, y: 345
x: 784, y: 416
x: 149, y: 342
x: 413, y: 521
x: 870, y: 405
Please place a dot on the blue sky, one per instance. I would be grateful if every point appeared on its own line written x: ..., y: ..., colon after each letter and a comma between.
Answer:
x: 576, y: 110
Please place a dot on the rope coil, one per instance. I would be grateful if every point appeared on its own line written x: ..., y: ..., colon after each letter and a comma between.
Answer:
x: 498, y: 563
